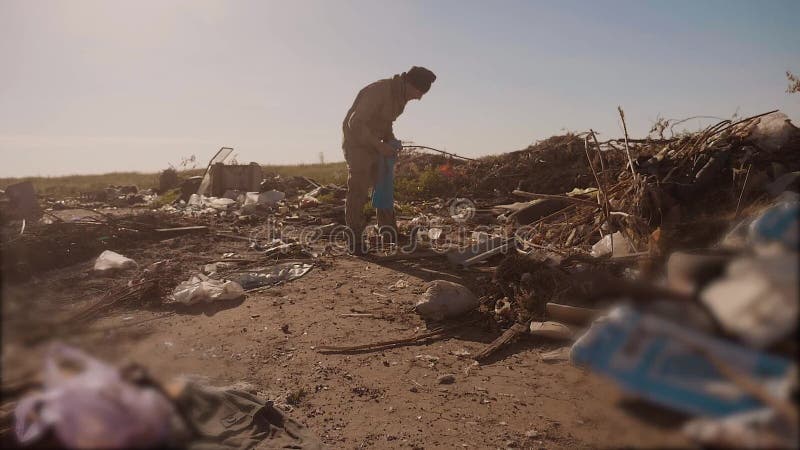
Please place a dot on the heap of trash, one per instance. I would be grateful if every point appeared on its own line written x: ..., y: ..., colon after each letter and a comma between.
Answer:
x: 671, y: 269
x: 667, y: 265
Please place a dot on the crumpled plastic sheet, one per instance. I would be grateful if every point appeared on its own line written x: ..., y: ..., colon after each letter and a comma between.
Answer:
x: 621, y: 244
x: 779, y: 223
x: 272, y: 276
x: 109, y: 260
x: 220, y: 203
x: 201, y: 288
x: 264, y: 198
x: 95, y: 408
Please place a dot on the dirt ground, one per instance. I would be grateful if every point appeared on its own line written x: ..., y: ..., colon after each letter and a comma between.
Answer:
x: 377, y: 399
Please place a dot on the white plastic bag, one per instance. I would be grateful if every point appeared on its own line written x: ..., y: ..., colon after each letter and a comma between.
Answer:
x: 757, y: 299
x: 219, y: 202
x: 264, y: 198
x: 195, y: 200
x: 622, y: 247
x: 774, y: 132
x: 445, y: 299
x: 308, y: 201
x: 109, y: 260
x: 201, y: 288
x: 434, y: 233
x: 93, y: 408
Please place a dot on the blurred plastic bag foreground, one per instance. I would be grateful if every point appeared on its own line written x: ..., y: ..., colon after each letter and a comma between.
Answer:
x: 669, y: 364
x: 88, y: 405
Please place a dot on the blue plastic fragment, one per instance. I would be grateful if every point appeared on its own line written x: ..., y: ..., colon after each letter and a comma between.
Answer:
x: 665, y: 363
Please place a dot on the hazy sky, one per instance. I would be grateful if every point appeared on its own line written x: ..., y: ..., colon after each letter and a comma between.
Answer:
x: 98, y: 86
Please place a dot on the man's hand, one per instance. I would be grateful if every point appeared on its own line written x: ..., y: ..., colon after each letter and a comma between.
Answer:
x: 390, y: 148
x: 387, y: 150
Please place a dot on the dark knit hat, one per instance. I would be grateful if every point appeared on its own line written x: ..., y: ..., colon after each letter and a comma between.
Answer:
x: 421, y: 78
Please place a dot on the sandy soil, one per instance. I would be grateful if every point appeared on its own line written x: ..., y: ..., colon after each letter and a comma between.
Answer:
x: 379, y: 399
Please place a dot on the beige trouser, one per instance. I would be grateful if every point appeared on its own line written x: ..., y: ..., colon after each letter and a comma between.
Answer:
x: 362, y: 173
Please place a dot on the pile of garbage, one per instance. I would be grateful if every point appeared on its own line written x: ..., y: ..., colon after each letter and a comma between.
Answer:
x: 580, y: 190
x: 733, y: 334
x: 52, y: 242
x: 120, y: 196
x: 668, y: 265
x: 238, y: 204
x: 711, y: 334
x: 83, y: 402
x: 674, y: 273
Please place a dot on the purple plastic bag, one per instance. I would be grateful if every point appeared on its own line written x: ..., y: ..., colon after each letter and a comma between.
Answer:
x: 92, y: 408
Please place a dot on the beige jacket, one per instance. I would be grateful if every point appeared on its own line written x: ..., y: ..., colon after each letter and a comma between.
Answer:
x: 369, y: 121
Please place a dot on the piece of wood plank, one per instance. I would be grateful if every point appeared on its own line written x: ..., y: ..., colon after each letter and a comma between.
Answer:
x: 486, y: 255
x: 555, y: 197
x: 551, y: 330
x: 436, y: 333
x: 233, y: 236
x: 571, y: 314
x: 401, y: 256
x: 559, y: 354
x: 181, y: 229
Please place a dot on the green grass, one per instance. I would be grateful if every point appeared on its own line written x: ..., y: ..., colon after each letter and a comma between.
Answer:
x: 321, y: 173
x: 425, y: 184
x: 167, y: 198
x: 74, y: 185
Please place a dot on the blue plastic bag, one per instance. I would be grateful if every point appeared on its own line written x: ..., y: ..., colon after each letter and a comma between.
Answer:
x: 665, y: 363
x: 779, y: 223
x: 383, y: 193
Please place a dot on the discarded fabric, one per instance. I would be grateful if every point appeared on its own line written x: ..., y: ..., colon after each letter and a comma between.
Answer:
x: 229, y: 418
